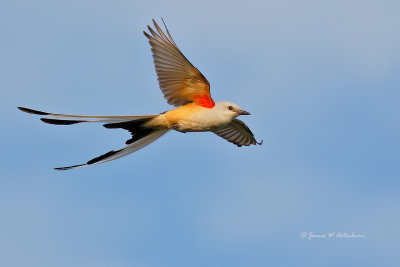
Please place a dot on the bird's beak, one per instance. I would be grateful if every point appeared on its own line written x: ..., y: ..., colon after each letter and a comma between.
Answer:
x: 243, y: 112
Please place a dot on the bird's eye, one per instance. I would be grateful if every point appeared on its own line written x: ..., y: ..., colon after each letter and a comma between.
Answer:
x: 230, y: 107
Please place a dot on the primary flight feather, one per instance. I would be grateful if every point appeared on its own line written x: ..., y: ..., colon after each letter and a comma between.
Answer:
x: 183, y: 86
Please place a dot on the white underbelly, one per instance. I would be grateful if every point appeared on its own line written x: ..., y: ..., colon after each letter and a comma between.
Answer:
x: 196, y: 126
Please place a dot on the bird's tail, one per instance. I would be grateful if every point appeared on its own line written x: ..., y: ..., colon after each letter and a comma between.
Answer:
x: 144, y: 140
x: 66, y: 119
x: 136, y: 125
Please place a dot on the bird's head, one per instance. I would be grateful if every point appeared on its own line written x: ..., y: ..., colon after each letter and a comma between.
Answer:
x: 230, y: 110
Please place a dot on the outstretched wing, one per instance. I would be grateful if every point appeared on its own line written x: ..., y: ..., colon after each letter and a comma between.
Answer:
x: 238, y: 133
x: 179, y: 80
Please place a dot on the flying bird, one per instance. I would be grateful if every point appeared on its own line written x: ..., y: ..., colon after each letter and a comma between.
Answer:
x: 184, y: 87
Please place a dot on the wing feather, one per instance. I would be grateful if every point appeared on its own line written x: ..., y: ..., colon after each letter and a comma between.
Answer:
x: 238, y: 133
x: 180, y: 82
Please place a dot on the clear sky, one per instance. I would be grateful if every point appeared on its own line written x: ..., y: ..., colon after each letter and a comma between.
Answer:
x: 321, y: 79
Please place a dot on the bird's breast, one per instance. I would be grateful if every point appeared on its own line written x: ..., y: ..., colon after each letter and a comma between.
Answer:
x: 190, y: 118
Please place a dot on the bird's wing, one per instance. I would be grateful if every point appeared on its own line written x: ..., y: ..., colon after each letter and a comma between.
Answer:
x: 179, y: 80
x: 238, y: 133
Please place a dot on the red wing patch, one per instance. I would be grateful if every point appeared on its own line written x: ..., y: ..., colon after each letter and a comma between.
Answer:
x: 204, y: 101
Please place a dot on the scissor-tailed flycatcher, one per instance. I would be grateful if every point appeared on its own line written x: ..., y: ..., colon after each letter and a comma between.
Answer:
x: 183, y: 86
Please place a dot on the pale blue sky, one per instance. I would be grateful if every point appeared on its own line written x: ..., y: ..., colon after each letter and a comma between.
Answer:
x: 321, y: 79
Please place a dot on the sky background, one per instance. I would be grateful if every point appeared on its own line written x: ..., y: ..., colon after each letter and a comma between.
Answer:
x: 321, y: 79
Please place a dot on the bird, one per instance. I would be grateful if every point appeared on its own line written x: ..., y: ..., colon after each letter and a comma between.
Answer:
x: 184, y: 87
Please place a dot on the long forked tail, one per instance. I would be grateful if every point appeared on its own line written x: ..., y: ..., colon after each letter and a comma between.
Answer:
x: 141, y: 135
